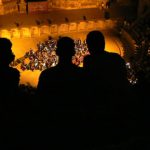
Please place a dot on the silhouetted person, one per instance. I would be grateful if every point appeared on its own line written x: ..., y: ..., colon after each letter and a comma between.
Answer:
x: 9, y: 81
x: 66, y: 20
x: 59, y: 89
x: 106, y: 84
x: 63, y: 76
x: 84, y: 18
x: 105, y: 68
x: 9, y: 77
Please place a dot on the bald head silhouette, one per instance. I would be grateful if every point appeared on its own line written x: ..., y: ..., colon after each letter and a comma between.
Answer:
x: 95, y: 42
x: 65, y: 47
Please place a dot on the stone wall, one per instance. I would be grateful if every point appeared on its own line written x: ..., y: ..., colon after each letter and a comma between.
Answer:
x: 8, y: 7
x: 11, y: 6
x: 55, y: 29
x: 75, y: 4
x: 38, y: 6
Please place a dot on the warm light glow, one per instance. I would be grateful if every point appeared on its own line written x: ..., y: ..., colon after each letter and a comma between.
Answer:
x: 22, y: 45
x: 25, y: 35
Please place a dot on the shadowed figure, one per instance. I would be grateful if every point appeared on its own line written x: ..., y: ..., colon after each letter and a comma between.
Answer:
x: 9, y: 77
x: 9, y: 82
x: 58, y: 81
x: 107, y: 69
x: 106, y: 85
x: 59, y: 88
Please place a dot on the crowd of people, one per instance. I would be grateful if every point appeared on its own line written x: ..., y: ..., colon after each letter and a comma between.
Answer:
x: 93, y: 107
x: 45, y: 55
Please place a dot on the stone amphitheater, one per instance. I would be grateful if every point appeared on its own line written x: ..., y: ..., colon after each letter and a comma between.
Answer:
x: 28, y: 23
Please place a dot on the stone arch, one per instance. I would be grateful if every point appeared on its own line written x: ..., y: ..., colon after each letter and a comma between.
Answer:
x: 34, y: 31
x: 15, y: 33
x: 45, y: 30
x: 99, y: 24
x: 5, y: 33
x: 25, y: 32
x: 82, y: 26
x: 72, y: 26
x: 90, y: 25
x: 54, y: 29
x: 63, y: 28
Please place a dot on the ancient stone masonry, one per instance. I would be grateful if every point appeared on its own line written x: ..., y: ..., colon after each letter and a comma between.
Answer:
x: 21, y: 6
x: 8, y: 6
x: 55, y: 29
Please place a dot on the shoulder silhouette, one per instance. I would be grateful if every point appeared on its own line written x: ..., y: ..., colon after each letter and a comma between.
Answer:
x: 64, y: 74
x: 59, y: 89
x: 9, y: 77
x: 106, y: 84
x: 108, y: 68
x: 60, y: 85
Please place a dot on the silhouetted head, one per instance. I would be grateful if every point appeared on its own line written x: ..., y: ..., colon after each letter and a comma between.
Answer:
x: 65, y: 47
x: 6, y: 55
x: 96, y: 42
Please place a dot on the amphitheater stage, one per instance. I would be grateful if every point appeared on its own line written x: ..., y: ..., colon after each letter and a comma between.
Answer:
x: 27, y: 30
x: 22, y: 45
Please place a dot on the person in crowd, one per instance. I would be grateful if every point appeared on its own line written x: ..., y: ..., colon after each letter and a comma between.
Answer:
x: 64, y: 73
x: 59, y: 89
x: 106, y: 85
x: 105, y: 68
x: 9, y: 77
x: 9, y: 83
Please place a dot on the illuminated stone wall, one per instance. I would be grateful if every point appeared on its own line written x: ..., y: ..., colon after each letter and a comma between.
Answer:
x: 8, y: 6
x: 54, y: 29
x: 11, y: 6
x: 38, y: 6
x: 75, y: 4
